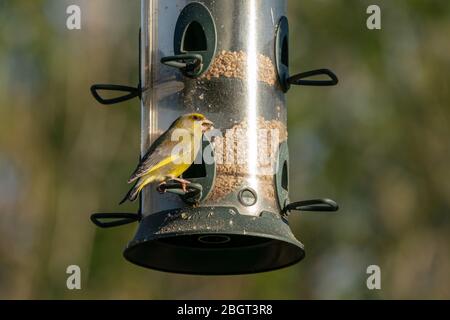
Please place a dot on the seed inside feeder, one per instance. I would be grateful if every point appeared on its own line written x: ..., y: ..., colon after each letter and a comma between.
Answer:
x: 232, y: 158
x: 233, y: 64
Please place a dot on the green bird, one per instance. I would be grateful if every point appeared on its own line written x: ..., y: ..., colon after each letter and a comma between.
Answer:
x: 160, y: 163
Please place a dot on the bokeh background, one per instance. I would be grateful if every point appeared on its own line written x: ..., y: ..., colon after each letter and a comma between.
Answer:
x: 378, y: 143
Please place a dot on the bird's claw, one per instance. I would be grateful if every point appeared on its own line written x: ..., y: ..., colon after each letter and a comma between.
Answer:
x: 184, y: 183
x: 184, y: 187
x: 160, y: 188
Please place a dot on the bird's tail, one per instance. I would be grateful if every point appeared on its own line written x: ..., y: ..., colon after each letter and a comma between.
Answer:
x: 133, y: 193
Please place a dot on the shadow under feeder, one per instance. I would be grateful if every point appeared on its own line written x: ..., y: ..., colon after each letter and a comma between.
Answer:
x: 233, y: 219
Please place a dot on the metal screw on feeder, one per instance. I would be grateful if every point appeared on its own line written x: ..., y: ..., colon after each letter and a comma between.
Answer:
x: 227, y: 61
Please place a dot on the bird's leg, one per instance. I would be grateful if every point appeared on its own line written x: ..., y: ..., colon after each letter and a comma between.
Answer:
x: 160, y: 188
x: 183, y: 183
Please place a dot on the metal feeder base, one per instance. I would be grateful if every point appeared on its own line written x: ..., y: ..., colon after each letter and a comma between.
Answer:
x: 213, y: 241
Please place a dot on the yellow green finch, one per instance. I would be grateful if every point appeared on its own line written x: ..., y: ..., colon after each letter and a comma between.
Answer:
x: 160, y: 163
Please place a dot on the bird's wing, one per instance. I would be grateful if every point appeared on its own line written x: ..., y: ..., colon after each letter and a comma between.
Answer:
x: 158, y: 155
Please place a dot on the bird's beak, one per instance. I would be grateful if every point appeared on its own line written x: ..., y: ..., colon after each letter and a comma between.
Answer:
x: 206, y: 125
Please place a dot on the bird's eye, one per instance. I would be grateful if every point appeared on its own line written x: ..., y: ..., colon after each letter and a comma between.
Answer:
x: 195, y: 118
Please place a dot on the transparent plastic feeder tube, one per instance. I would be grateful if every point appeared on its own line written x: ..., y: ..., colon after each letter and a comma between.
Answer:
x: 237, y: 89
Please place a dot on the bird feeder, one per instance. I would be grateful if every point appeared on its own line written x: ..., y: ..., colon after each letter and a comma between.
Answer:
x: 229, y: 61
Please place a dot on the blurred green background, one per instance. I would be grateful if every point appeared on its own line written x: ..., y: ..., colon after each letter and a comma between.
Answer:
x: 378, y: 143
